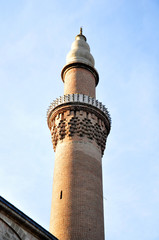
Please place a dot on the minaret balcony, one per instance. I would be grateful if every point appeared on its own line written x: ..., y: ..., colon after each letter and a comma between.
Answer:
x: 78, y: 98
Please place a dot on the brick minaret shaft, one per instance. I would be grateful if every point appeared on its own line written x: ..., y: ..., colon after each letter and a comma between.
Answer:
x: 79, y: 126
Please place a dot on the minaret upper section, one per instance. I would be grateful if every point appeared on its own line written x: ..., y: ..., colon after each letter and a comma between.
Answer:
x: 80, y: 79
x: 79, y: 74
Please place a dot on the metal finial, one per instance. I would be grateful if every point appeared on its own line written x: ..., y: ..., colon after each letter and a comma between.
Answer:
x: 81, y: 34
x: 80, y: 30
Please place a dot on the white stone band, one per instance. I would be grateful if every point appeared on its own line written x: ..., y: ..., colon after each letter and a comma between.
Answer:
x: 78, y: 98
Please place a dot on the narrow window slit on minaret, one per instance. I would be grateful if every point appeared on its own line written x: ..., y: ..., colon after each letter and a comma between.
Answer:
x: 61, y: 195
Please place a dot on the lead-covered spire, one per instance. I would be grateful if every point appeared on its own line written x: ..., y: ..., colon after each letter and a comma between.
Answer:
x: 80, y: 51
x: 80, y: 57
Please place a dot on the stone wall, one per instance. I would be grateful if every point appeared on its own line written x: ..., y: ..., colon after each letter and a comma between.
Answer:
x: 15, y: 225
x: 10, y: 230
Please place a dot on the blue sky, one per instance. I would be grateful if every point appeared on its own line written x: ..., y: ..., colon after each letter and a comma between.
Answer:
x: 123, y: 35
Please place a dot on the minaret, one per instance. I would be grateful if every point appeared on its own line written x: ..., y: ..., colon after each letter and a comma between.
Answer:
x: 79, y: 126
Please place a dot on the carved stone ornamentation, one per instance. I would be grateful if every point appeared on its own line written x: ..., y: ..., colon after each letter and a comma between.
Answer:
x: 81, y: 127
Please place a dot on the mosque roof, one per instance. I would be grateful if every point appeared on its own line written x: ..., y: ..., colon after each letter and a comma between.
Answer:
x: 24, y: 221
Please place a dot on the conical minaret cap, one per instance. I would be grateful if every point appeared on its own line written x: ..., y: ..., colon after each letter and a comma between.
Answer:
x: 80, y: 56
x: 80, y: 51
